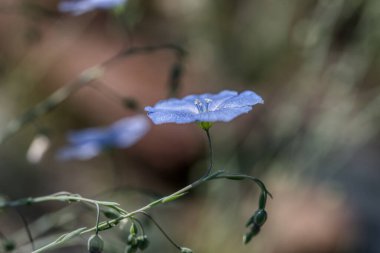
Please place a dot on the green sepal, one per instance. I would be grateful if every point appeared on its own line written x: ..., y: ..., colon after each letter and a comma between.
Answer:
x: 205, y: 125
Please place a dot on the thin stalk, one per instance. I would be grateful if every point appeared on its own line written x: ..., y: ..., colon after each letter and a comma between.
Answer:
x: 211, y: 158
x: 241, y: 177
x: 87, y: 76
x: 162, y: 230
x: 97, y: 218
x: 144, y: 49
x: 27, y: 229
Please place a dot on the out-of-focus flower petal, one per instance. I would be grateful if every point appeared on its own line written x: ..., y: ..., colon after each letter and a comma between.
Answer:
x: 80, y: 152
x: 78, y: 7
x: 87, y: 135
x: 128, y: 131
x: 88, y: 143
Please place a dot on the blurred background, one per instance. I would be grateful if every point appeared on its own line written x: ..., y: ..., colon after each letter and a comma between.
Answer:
x: 315, y: 141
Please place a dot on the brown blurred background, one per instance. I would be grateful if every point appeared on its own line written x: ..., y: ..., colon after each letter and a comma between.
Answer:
x: 315, y: 141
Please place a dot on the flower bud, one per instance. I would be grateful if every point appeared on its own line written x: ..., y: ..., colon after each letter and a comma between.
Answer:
x: 132, y: 240
x: 95, y: 244
x: 111, y: 213
x: 142, y: 242
x: 260, y: 217
x: 186, y: 250
x: 130, y: 249
x: 133, y: 229
x: 248, y: 236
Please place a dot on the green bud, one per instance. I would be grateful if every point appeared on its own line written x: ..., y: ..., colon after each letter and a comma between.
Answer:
x: 111, y: 213
x: 133, y: 229
x: 186, y: 250
x: 260, y: 217
x: 143, y: 242
x: 130, y: 249
x: 9, y: 245
x: 95, y: 244
x: 248, y: 236
x: 132, y: 240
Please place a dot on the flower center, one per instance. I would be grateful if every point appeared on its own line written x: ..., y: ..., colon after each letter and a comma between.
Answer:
x: 202, y: 106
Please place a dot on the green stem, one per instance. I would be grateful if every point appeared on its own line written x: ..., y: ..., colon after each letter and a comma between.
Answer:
x: 241, y: 177
x: 64, y: 196
x: 97, y: 218
x: 140, y: 225
x: 27, y: 229
x: 162, y: 230
x: 211, y: 158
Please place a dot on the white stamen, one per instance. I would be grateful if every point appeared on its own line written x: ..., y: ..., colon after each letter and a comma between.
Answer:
x: 201, y: 106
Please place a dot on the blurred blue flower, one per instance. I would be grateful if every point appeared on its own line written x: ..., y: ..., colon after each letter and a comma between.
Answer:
x: 88, y: 143
x: 223, y: 106
x: 78, y: 7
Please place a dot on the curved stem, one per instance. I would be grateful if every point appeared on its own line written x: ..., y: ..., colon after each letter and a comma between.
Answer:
x: 241, y: 177
x: 140, y: 224
x: 161, y: 230
x: 64, y: 196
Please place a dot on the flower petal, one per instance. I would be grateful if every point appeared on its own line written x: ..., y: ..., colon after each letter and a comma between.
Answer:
x: 246, y: 98
x: 81, y: 152
x: 88, y: 135
x: 122, y: 134
x: 81, y: 6
x: 225, y: 114
x: 173, y: 105
x: 223, y: 106
x: 128, y: 131
x: 75, y: 8
x: 180, y: 117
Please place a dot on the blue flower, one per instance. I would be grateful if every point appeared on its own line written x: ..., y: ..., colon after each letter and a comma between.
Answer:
x: 88, y: 143
x: 223, y: 106
x: 78, y: 7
